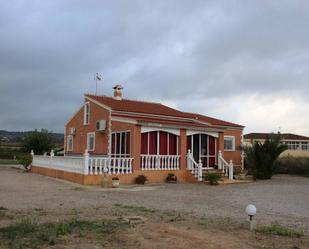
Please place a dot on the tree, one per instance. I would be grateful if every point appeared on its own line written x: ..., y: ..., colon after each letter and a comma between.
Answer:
x: 261, y: 157
x: 39, y: 142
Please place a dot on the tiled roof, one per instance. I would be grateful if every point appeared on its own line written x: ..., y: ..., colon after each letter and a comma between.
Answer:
x: 285, y: 136
x: 165, y: 121
x: 134, y: 106
x: 210, y: 120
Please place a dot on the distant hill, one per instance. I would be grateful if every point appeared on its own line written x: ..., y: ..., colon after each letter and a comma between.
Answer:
x: 17, y: 136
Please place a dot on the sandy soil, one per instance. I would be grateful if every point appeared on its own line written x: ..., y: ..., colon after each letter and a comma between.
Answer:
x: 284, y: 199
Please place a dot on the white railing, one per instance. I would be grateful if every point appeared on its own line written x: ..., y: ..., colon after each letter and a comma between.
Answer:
x: 160, y: 162
x: 195, y: 168
x: 86, y: 164
x: 227, y: 168
x: 110, y: 165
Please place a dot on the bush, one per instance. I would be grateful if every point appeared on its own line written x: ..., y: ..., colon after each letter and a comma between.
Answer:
x: 171, y: 178
x: 213, y: 178
x: 25, y: 161
x: 141, y: 179
x: 293, y: 166
x: 261, y: 158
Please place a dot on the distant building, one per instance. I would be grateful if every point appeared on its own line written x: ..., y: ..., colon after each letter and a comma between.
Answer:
x: 298, y: 145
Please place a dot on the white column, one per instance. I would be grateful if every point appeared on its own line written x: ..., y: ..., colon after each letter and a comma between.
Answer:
x: 231, y: 171
x: 219, y: 159
x: 188, y: 160
x: 86, y: 162
x: 200, y: 170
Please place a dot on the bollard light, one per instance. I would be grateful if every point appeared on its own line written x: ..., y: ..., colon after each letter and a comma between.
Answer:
x: 251, y: 210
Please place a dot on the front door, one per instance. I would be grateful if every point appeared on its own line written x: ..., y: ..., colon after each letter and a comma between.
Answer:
x: 203, y: 148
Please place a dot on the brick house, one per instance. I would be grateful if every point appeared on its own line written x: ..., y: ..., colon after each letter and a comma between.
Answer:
x: 128, y: 138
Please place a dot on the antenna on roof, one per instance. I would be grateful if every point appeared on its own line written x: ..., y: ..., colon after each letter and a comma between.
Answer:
x: 97, y: 77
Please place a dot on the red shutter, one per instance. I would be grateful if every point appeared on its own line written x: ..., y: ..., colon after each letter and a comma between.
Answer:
x: 144, y: 144
x: 163, y: 143
x: 172, y: 144
x: 212, y: 148
x: 153, y: 143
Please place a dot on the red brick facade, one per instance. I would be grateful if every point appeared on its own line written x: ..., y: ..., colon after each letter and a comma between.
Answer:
x: 120, y: 119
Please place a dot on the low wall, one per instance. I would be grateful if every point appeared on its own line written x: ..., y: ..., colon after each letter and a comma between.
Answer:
x: 295, y: 153
x: 153, y: 176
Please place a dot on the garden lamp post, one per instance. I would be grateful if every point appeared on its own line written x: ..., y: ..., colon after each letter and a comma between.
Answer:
x: 251, y: 211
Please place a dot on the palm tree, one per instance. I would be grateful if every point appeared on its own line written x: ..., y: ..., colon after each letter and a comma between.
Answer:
x: 261, y: 157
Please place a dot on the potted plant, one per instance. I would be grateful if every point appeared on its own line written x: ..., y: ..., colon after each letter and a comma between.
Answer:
x: 115, y: 182
x: 141, y: 179
x: 213, y: 178
x: 171, y: 178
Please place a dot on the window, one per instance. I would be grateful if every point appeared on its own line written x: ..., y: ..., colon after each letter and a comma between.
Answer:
x: 159, y: 143
x: 121, y: 144
x: 70, y: 143
x: 229, y: 143
x: 91, y: 141
x: 293, y: 145
x: 86, y: 113
x: 305, y: 146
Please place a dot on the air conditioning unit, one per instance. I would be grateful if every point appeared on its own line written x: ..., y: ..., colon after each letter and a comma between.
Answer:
x: 72, y: 131
x: 101, y: 125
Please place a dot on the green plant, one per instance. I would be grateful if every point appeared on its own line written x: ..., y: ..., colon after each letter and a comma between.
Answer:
x: 277, y: 229
x: 25, y: 161
x: 213, y: 178
x: 141, y: 179
x: 171, y: 178
x: 38, y: 141
x: 261, y: 157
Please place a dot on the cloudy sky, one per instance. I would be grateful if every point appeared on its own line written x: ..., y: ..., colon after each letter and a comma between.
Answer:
x: 243, y: 61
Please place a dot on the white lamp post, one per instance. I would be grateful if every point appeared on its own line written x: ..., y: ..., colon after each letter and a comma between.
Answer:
x: 251, y: 211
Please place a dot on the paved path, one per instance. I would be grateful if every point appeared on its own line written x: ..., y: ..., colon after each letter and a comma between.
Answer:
x: 284, y: 198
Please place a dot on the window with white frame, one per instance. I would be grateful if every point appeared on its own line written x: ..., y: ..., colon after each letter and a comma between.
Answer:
x: 229, y: 143
x: 91, y: 141
x: 69, y: 143
x: 121, y: 144
x: 86, y: 113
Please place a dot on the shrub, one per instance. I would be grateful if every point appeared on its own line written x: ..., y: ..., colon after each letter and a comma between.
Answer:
x: 293, y: 165
x: 141, y: 179
x: 213, y: 178
x: 25, y: 161
x: 171, y: 178
x: 261, y: 158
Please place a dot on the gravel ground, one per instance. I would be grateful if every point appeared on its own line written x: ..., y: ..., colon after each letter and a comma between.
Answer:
x: 284, y: 198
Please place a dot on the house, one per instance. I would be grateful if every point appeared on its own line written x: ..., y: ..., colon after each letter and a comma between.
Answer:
x: 297, y: 145
x: 128, y: 138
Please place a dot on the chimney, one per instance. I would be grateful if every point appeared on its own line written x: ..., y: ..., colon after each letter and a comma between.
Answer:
x: 118, y: 92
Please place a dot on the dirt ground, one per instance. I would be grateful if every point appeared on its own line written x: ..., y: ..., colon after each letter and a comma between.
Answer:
x: 168, y: 216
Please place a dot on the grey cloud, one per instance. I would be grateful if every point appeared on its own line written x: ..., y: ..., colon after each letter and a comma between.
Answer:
x: 171, y: 51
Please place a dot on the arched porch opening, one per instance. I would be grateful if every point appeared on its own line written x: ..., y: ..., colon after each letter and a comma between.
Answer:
x: 203, y: 147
